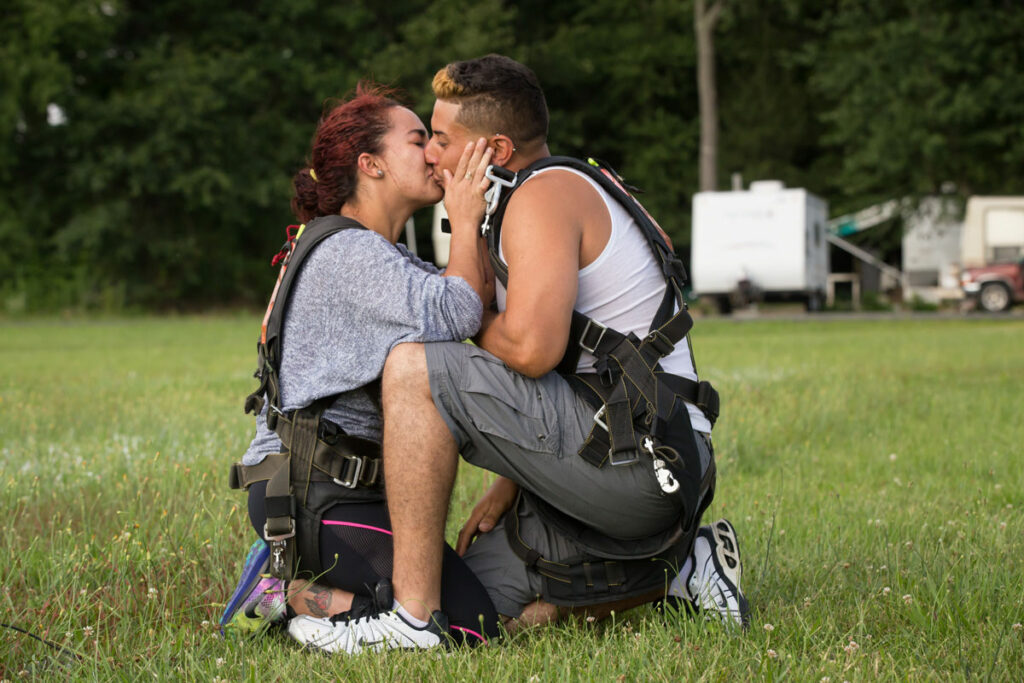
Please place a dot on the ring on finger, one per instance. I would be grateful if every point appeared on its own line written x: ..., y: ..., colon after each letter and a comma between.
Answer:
x: 469, y: 174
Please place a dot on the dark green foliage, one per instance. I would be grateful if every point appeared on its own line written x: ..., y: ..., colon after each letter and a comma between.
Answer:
x: 920, y: 93
x: 168, y: 184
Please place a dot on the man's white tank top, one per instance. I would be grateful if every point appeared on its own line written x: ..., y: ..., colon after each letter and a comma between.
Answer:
x: 622, y: 289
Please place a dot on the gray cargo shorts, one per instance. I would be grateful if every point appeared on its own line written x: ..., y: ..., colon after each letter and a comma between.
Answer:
x: 530, y: 430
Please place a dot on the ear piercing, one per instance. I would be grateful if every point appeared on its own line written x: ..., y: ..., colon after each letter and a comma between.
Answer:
x: 380, y: 173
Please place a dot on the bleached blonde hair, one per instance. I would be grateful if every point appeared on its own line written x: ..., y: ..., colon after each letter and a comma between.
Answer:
x: 496, y: 94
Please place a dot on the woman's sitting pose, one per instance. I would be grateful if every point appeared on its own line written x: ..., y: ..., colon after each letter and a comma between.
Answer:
x: 356, y: 294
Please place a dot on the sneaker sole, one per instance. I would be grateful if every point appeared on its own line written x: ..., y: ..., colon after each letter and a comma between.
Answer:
x: 255, y: 564
x: 727, y: 562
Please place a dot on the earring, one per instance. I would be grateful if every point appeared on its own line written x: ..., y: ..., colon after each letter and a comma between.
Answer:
x: 380, y: 173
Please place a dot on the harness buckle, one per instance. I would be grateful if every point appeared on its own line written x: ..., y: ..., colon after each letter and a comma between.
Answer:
x: 660, y: 343
x: 625, y: 458
x: 371, y: 472
x: 279, y: 537
x: 601, y: 329
x: 355, y: 465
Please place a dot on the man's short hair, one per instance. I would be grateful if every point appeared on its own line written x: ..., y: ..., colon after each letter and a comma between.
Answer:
x: 496, y: 94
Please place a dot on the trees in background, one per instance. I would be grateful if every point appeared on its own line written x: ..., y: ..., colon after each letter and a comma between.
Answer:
x: 922, y: 93
x: 147, y: 149
x: 704, y: 19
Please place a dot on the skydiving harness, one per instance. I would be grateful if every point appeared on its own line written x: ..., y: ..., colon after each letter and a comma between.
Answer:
x: 320, y: 464
x: 639, y: 408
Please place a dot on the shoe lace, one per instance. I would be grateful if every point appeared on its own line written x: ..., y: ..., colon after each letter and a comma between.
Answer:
x: 362, y: 609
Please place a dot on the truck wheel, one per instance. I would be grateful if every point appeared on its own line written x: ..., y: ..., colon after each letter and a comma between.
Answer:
x: 994, y: 297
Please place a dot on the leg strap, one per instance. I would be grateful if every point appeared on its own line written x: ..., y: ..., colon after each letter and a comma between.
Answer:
x: 586, y: 577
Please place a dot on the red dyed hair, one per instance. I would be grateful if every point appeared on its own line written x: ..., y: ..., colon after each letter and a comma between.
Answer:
x: 345, y: 131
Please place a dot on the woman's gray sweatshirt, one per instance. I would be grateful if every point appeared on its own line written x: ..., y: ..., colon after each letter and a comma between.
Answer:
x: 356, y: 297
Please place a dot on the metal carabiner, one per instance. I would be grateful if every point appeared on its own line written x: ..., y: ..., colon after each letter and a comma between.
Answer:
x: 500, y: 178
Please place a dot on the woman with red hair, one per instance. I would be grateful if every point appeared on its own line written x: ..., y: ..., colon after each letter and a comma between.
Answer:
x: 356, y: 295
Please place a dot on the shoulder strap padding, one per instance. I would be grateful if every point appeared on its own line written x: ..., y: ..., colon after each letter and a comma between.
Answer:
x: 315, y: 232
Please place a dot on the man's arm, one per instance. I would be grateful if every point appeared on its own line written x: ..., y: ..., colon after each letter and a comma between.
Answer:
x: 541, y: 235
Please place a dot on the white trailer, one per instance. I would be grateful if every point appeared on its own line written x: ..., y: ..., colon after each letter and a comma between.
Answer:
x: 768, y: 239
x: 993, y: 231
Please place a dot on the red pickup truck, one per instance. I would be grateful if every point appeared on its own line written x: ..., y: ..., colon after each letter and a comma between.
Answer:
x: 994, y: 287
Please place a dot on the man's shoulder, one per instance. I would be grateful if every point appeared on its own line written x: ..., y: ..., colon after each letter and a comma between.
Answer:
x: 554, y: 189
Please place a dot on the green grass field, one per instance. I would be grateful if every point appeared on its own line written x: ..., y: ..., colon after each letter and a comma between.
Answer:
x: 873, y: 470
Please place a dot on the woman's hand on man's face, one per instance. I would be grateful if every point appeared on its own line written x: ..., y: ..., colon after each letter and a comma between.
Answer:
x: 464, y: 188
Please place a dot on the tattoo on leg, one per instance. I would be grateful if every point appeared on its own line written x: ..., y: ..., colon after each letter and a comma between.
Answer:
x: 320, y: 604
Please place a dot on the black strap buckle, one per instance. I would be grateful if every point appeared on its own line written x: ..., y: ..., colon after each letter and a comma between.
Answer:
x: 660, y: 343
x: 626, y: 457
x: 328, y: 432
x: 598, y: 329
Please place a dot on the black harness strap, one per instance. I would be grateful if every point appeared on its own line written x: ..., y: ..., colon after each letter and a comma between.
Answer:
x: 320, y: 462
x: 269, y: 345
x: 581, y: 577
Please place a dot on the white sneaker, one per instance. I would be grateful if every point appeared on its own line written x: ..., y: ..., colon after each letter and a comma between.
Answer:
x: 714, y: 581
x: 374, y: 632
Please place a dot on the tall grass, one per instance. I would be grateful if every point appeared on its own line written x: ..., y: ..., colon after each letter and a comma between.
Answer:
x: 872, y: 469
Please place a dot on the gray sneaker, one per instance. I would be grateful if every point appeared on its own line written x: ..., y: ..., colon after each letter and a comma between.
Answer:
x: 713, y: 585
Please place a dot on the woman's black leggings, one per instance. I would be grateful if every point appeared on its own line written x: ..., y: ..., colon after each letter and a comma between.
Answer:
x: 359, y: 536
